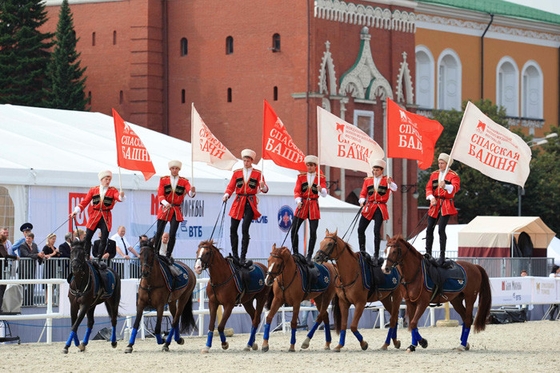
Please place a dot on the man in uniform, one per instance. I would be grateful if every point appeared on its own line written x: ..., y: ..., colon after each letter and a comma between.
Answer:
x: 171, y: 193
x: 246, y: 182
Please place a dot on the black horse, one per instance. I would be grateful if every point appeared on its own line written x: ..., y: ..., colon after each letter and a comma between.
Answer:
x: 90, y: 286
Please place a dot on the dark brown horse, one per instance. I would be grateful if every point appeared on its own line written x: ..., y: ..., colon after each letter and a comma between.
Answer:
x: 288, y: 287
x: 350, y: 289
x: 227, y: 288
x: 471, y: 282
x: 156, y: 289
x: 88, y: 288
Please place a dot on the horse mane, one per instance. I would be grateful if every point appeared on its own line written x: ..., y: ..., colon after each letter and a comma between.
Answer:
x: 79, y: 245
x: 400, y: 239
x: 211, y: 243
x: 337, y: 238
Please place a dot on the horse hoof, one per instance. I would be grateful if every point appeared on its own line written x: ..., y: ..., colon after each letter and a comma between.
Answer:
x: 397, y: 344
x: 205, y: 350
x: 338, y: 348
x: 305, y: 344
x: 255, y: 346
x: 327, y: 347
x: 364, y: 345
x: 411, y: 348
x: 264, y: 348
x: 82, y: 347
x: 462, y: 348
x: 165, y: 348
x: 423, y: 342
x: 225, y: 346
x: 65, y: 350
x: 114, y: 344
x: 292, y: 349
x: 180, y: 341
x: 384, y: 347
x: 247, y: 348
x: 128, y: 350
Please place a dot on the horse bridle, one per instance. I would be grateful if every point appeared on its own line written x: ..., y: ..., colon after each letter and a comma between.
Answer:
x: 209, y: 259
x: 326, y: 254
x: 145, y: 264
x: 281, y: 266
x: 81, y: 265
x: 400, y: 256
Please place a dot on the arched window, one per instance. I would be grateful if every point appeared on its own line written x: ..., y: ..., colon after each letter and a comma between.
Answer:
x: 275, y: 93
x: 424, y: 78
x: 276, y: 43
x: 89, y: 97
x: 229, y: 95
x: 532, y: 91
x: 93, y: 39
x: 114, y: 37
x: 449, y: 81
x: 121, y: 97
x: 182, y: 96
x: 507, y: 86
x: 184, y: 47
x: 229, y: 45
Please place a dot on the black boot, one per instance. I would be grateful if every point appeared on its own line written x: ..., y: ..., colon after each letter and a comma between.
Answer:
x: 376, y: 245
x: 234, y: 245
x: 376, y: 256
x: 244, y: 246
x: 441, y: 260
x: 310, y: 262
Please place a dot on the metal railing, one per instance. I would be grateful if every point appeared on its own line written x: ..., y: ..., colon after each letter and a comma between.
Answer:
x: 34, y: 295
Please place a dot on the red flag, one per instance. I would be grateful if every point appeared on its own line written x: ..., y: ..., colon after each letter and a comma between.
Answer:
x: 411, y: 136
x: 131, y: 152
x: 277, y: 142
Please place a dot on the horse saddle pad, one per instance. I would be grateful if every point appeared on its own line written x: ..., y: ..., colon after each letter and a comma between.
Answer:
x: 110, y: 280
x: 454, y: 279
x: 321, y: 282
x: 254, y: 278
x: 171, y: 282
x: 373, y: 277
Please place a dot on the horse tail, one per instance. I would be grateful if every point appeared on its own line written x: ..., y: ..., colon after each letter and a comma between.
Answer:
x: 484, y: 301
x: 269, y: 299
x: 188, y: 322
x: 336, y: 314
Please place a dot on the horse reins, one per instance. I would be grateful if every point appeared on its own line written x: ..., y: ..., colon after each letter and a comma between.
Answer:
x: 274, y: 275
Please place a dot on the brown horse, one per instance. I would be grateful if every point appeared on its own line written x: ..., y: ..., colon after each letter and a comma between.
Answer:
x: 350, y: 289
x: 462, y: 292
x: 287, y: 281
x: 227, y: 288
x: 156, y: 289
x: 88, y: 288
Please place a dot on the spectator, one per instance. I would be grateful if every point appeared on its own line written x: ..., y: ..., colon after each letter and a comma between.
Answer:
x: 4, y: 254
x: 305, y: 315
x: 6, y: 233
x: 110, y: 249
x: 124, y: 249
x: 27, y: 268
x: 164, y: 242
x: 555, y: 273
x: 50, y: 251
x: 79, y: 235
x: 25, y: 229
x: 65, y: 247
x: 142, y: 240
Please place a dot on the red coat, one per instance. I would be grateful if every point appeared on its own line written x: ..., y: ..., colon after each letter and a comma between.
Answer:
x: 375, y: 199
x: 173, y: 197
x: 309, y: 196
x: 444, y: 199
x: 245, y: 191
x: 99, y: 210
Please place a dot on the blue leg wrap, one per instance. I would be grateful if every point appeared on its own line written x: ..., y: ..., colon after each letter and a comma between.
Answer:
x: 389, y: 335
x: 159, y: 339
x: 358, y: 336
x: 266, y: 332
x: 415, y: 337
x: 222, y: 337
x: 312, y: 331
x: 113, y: 335
x: 70, y: 339
x: 76, y: 340
x: 133, y: 336
x: 465, y: 336
x: 328, y: 337
x: 170, y: 336
x: 342, y: 338
x: 209, y: 339
x: 252, y: 337
x: 293, y: 338
x: 394, y: 334
x: 177, y: 334
x: 86, y: 336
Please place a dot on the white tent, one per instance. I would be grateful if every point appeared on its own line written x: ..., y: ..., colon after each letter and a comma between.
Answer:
x: 452, y: 233
x: 553, y: 250
x: 51, y: 157
x: 492, y: 236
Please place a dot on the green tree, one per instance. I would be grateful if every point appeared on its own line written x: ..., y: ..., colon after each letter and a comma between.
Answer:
x: 66, y: 81
x: 24, y: 51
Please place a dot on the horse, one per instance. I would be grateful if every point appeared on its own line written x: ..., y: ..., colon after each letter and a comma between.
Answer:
x: 157, y: 288
x: 89, y: 287
x: 352, y: 287
x: 460, y: 289
x: 289, y: 287
x: 226, y: 287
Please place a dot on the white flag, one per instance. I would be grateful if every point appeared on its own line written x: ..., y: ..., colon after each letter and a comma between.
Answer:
x: 491, y: 149
x: 343, y: 145
x: 206, y: 147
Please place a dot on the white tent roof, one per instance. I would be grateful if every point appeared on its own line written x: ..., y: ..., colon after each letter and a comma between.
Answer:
x: 49, y: 147
x: 497, y: 231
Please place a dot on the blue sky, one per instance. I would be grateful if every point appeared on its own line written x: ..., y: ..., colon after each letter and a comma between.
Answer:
x: 552, y: 6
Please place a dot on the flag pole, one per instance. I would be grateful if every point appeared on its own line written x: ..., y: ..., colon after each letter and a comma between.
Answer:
x: 192, y: 145
x: 120, y: 181
x: 389, y: 164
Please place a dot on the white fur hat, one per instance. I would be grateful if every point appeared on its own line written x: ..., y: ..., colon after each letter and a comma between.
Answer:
x: 378, y: 163
x: 446, y: 158
x: 248, y: 153
x: 311, y: 159
x: 103, y: 174
x: 175, y: 163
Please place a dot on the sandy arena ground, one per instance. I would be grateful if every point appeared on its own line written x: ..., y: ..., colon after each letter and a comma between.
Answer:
x: 519, y: 347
